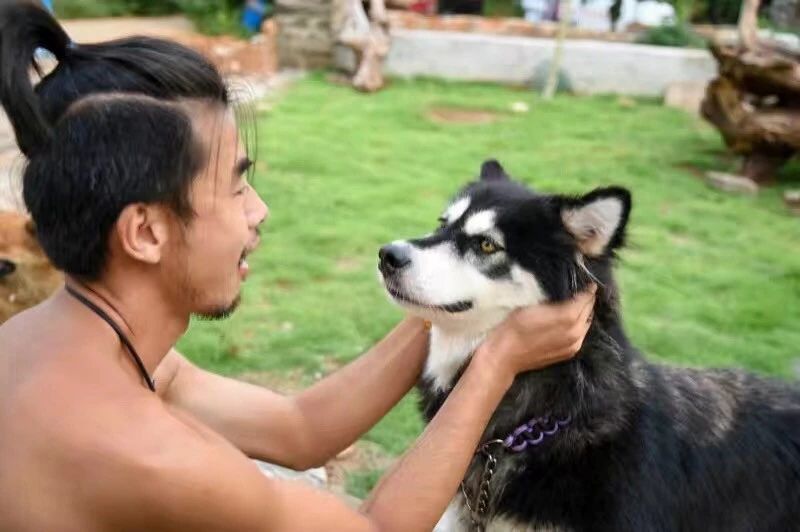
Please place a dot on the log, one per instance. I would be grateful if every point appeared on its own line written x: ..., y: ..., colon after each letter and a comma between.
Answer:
x: 755, y: 100
x: 764, y: 71
x: 766, y: 136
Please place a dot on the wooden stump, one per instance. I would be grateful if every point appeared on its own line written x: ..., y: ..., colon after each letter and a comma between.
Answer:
x: 755, y: 104
x: 755, y: 100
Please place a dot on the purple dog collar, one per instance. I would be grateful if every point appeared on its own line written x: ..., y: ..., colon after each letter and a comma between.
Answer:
x: 529, y: 434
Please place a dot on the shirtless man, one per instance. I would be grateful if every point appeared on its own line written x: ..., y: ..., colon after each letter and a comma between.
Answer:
x: 136, y: 181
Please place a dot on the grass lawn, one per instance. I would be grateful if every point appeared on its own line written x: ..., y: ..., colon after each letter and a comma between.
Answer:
x: 707, y: 278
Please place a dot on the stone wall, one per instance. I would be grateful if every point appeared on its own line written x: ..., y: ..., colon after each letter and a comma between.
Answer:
x: 305, y: 39
x: 588, y: 67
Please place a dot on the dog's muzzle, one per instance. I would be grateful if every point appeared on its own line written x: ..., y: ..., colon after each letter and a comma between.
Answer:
x: 392, y: 258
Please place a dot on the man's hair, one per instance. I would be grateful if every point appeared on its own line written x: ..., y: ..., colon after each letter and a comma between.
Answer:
x: 105, y: 129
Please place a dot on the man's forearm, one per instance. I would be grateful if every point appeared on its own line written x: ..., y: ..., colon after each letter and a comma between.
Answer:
x: 310, y: 428
x: 427, y: 477
x: 340, y: 408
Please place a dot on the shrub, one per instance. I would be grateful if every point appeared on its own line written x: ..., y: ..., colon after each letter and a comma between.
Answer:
x: 672, y: 35
x: 112, y: 8
x: 213, y: 17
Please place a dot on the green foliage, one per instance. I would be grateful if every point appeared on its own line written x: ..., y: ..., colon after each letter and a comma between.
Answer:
x: 214, y: 17
x: 112, y: 8
x: 708, y: 279
x: 502, y: 8
x: 717, y: 11
x: 672, y: 35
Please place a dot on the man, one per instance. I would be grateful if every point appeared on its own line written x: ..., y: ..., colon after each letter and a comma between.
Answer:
x: 136, y: 181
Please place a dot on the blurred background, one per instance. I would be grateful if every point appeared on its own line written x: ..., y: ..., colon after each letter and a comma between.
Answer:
x: 369, y: 115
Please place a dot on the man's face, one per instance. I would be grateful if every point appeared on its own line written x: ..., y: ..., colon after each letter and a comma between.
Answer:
x: 209, y: 264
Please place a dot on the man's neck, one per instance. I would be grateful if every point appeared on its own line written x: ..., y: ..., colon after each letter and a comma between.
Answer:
x: 140, y: 311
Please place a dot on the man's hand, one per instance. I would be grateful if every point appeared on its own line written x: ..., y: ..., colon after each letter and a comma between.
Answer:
x: 539, y: 336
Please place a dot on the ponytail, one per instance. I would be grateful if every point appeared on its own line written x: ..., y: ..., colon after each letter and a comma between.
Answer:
x: 25, y: 27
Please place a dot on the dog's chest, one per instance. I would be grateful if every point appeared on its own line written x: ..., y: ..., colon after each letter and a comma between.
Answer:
x: 456, y: 519
x: 447, y: 355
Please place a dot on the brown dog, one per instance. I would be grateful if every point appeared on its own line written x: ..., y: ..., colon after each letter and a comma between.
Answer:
x: 26, y: 276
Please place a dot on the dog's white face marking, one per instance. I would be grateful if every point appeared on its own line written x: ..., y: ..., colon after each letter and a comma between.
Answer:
x: 480, y: 222
x: 456, y: 210
x: 440, y: 275
x: 483, y: 223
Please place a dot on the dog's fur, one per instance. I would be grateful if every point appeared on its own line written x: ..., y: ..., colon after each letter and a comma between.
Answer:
x: 26, y: 275
x: 650, y: 447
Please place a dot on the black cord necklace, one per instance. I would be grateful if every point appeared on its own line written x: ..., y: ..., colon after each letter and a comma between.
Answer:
x: 122, y: 338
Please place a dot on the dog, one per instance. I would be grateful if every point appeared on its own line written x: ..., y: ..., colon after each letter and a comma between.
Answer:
x: 26, y: 275
x: 607, y: 441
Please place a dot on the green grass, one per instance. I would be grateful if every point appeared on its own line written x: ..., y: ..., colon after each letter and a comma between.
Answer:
x: 360, y: 483
x: 707, y: 279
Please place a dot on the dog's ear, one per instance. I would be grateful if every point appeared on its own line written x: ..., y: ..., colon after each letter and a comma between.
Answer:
x: 491, y: 170
x: 598, y: 219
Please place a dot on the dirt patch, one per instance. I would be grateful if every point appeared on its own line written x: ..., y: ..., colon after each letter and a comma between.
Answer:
x: 461, y: 115
x: 363, y: 456
x: 691, y: 169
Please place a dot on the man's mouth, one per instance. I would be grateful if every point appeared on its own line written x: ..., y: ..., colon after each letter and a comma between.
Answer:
x: 452, y: 308
x: 244, y: 267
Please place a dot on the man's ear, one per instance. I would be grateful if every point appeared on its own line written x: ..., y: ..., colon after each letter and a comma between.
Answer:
x: 491, y: 170
x: 143, y: 231
x: 598, y: 219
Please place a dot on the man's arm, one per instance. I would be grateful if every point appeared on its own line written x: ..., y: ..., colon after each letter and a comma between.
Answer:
x: 212, y: 487
x: 310, y: 428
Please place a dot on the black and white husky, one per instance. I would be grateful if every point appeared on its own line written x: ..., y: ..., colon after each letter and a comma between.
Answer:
x: 607, y: 441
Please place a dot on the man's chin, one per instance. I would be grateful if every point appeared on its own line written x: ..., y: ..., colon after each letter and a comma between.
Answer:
x: 220, y: 312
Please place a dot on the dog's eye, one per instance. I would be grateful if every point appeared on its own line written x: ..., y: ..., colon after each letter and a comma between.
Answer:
x: 488, y: 246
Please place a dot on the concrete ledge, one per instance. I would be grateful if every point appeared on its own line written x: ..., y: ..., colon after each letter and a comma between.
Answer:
x: 589, y: 67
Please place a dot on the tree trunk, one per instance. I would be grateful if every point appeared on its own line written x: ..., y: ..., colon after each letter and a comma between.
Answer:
x: 748, y: 24
x: 551, y: 85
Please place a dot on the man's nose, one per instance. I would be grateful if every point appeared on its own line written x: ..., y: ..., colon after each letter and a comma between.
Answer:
x: 258, y: 211
x: 393, y: 258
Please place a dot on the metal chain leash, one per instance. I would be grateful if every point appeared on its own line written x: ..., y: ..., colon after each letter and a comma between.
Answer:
x: 478, y: 514
x: 527, y: 435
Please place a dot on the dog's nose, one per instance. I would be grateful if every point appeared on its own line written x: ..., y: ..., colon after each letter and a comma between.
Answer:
x: 7, y: 267
x: 393, y: 258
